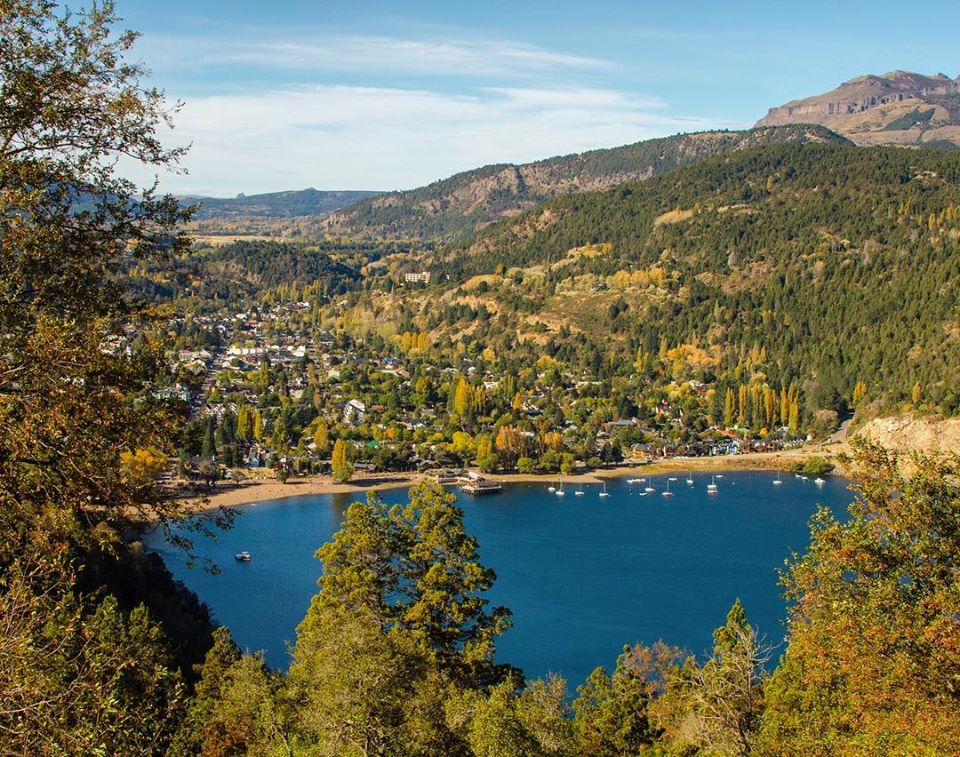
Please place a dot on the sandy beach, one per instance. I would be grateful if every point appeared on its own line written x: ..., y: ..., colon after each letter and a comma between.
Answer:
x: 227, y: 494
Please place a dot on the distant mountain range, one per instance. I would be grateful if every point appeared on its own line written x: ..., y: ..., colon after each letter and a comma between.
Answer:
x: 305, y: 202
x: 456, y: 207
x: 897, y: 108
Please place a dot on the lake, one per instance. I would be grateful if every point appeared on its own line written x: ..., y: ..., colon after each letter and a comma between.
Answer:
x: 583, y: 575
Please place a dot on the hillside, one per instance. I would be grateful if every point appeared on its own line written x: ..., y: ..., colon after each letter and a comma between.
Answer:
x: 827, y: 263
x: 305, y: 202
x: 897, y: 108
x: 455, y: 207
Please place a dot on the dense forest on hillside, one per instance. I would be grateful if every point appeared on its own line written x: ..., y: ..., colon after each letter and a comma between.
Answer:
x: 840, y: 263
x: 304, y: 202
x: 453, y: 208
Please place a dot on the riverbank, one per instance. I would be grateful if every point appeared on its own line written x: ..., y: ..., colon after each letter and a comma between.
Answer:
x: 228, y: 494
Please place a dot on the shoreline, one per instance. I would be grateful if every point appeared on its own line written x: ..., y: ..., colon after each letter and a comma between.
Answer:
x: 264, y: 490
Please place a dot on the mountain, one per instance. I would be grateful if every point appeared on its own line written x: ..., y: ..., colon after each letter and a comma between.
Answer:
x: 455, y: 207
x: 898, y: 108
x: 823, y: 263
x: 305, y: 202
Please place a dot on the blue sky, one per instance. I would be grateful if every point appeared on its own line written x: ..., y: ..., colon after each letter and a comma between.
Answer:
x: 391, y: 95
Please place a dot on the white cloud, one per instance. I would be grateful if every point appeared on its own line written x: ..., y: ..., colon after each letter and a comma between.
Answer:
x: 357, y: 53
x: 344, y: 137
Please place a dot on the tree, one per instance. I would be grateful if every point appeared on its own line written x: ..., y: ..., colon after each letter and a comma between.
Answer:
x: 399, y: 629
x: 234, y: 705
x: 80, y: 673
x: 280, y: 435
x: 463, y: 398
x: 416, y: 568
x: 729, y: 408
x: 872, y: 661
x: 340, y: 464
x: 355, y: 683
x: 509, y: 444
x: 321, y: 437
x: 611, y: 714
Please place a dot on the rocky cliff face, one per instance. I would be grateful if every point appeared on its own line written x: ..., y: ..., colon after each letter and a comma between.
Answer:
x: 455, y: 208
x: 899, y: 107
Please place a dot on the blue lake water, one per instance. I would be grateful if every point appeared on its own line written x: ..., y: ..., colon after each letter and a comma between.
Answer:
x: 583, y: 575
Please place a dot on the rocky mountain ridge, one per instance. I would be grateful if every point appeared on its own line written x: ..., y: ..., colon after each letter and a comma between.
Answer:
x: 454, y: 208
x: 896, y: 108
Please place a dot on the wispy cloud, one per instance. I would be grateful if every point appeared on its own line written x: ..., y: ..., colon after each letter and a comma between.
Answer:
x: 341, y: 137
x: 357, y: 53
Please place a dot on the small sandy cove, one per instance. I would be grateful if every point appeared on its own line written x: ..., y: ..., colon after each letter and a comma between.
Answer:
x: 227, y: 494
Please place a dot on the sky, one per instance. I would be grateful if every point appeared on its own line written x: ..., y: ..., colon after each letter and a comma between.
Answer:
x: 363, y: 94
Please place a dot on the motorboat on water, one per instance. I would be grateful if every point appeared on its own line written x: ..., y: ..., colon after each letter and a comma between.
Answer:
x: 819, y: 481
x: 242, y: 556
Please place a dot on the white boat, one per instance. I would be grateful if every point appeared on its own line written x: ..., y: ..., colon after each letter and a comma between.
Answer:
x: 579, y: 492
x: 712, y: 486
x: 634, y: 480
x: 560, y: 492
x: 649, y: 487
x: 672, y: 478
x: 819, y: 481
x: 719, y: 475
x: 551, y: 488
x: 668, y: 493
x: 690, y: 479
x: 242, y: 556
x: 604, y: 493
x: 777, y: 481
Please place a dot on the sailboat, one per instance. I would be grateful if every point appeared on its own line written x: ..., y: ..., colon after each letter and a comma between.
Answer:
x: 712, y: 486
x: 777, y: 481
x: 690, y: 478
x: 668, y: 493
x: 560, y: 492
x: 579, y: 492
x: 604, y: 493
x: 649, y: 487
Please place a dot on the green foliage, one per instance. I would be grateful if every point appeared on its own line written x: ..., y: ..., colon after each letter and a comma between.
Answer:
x: 815, y: 466
x: 872, y: 663
x: 909, y: 120
x: 829, y: 273
x: 78, y: 677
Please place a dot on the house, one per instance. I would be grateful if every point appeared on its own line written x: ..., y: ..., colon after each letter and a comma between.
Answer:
x: 354, y: 411
x: 422, y: 277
